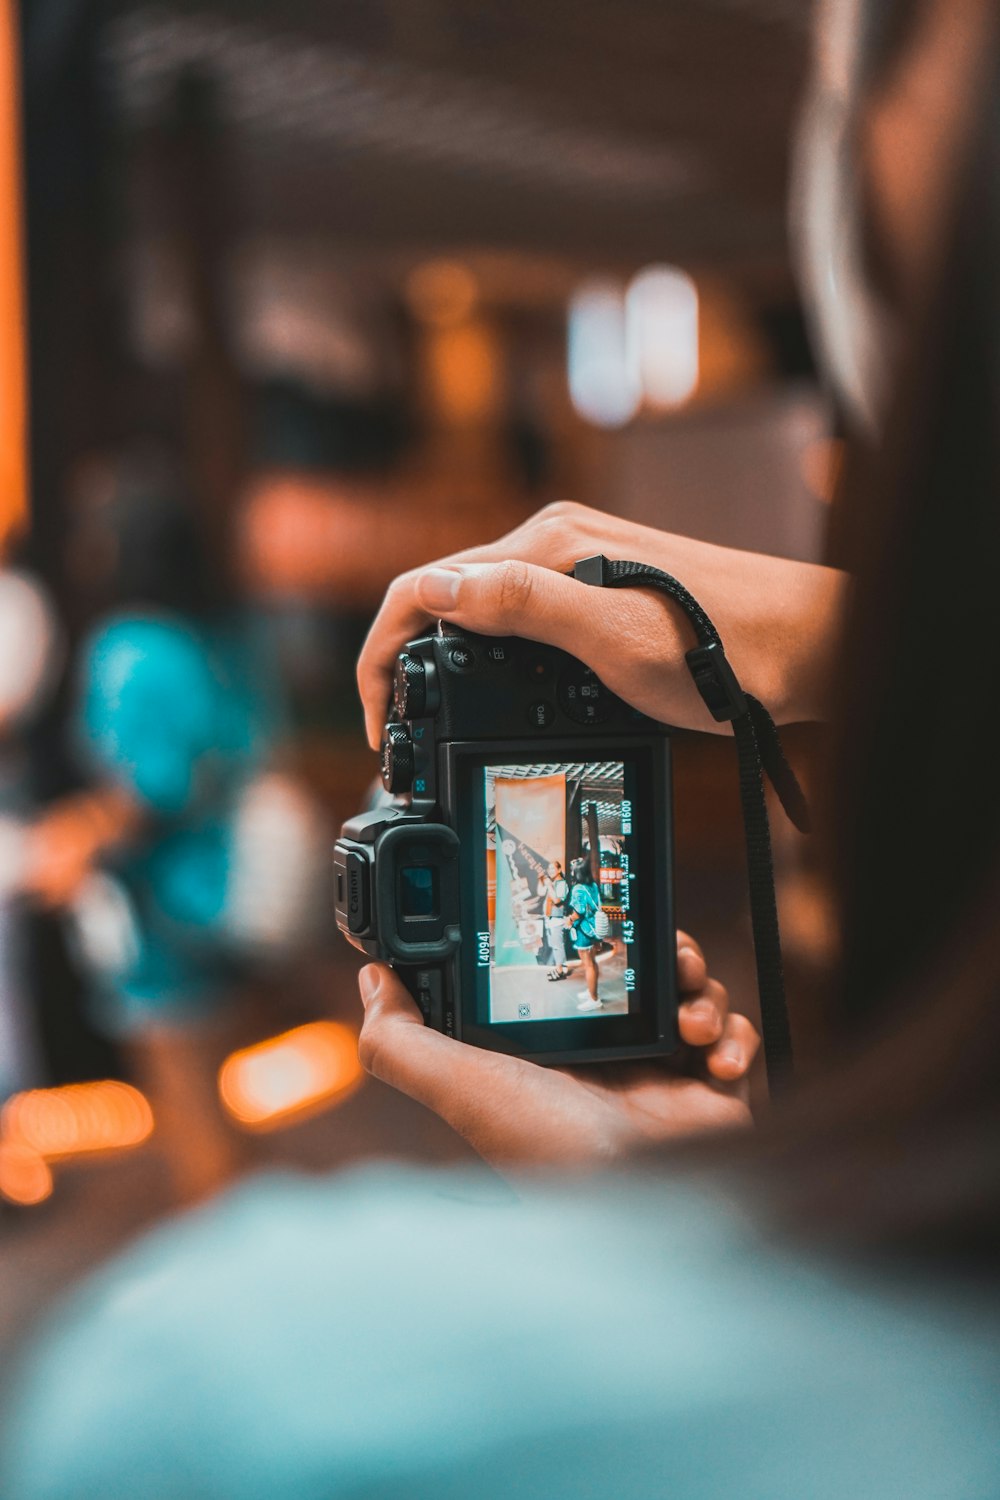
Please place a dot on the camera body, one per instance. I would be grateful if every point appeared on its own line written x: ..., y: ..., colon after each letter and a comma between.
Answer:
x: 520, y: 879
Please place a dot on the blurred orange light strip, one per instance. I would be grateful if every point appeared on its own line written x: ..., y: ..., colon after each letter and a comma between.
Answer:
x: 13, y: 348
x: 78, y: 1118
x: 277, y: 1080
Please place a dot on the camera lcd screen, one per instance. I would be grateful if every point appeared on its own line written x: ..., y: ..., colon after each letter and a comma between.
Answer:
x: 561, y: 878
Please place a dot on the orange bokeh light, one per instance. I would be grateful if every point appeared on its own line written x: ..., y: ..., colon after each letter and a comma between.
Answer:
x: 13, y: 385
x: 77, y: 1118
x: 24, y: 1175
x: 286, y: 1076
x: 441, y: 292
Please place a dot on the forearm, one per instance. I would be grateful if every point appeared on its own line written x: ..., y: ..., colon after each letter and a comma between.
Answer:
x: 70, y: 838
x: 780, y: 620
x: 110, y: 815
x: 787, y: 629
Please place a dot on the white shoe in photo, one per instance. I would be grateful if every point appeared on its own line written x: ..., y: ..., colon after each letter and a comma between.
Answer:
x: 588, y: 1003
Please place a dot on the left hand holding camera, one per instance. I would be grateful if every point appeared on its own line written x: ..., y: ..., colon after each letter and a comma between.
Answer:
x: 780, y: 620
x: 518, y: 1115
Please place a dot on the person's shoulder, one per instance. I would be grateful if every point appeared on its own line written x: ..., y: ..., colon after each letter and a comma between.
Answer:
x: 434, y: 1332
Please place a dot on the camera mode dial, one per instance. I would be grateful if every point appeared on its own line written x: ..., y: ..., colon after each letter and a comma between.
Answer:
x: 409, y: 686
x: 397, y: 759
x: 583, y: 696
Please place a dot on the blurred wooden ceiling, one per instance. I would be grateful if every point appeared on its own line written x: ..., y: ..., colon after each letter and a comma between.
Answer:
x: 613, y: 130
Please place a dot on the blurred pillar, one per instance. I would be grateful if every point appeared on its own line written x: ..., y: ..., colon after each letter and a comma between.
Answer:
x: 13, y: 414
x: 75, y: 364
x: 190, y: 159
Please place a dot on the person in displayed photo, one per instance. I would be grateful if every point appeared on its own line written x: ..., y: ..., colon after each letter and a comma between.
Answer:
x: 554, y: 887
x: 584, y: 904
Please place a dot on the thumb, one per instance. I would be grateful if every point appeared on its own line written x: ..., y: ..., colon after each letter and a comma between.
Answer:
x: 518, y: 598
x: 480, y: 1094
x: 394, y: 1044
x: 396, y: 1047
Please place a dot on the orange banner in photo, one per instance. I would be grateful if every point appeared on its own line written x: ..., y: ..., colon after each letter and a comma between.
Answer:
x: 533, y: 813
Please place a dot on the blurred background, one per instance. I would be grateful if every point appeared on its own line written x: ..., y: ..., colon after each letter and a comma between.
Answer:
x: 295, y: 297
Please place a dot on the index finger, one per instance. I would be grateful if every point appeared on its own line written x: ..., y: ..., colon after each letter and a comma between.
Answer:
x: 546, y: 538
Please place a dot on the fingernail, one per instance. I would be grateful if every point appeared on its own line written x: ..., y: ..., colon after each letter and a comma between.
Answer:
x: 731, y: 1053
x: 438, y: 588
x: 686, y: 953
x: 368, y: 982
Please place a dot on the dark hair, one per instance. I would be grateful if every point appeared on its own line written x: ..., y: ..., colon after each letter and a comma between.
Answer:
x: 902, y: 1146
x: 580, y: 872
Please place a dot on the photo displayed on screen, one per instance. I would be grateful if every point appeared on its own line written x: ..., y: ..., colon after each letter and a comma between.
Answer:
x: 560, y: 872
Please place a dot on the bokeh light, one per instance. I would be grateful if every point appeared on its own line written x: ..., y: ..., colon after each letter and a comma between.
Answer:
x: 280, y: 1079
x: 602, y: 382
x: 441, y: 292
x: 661, y: 335
x: 24, y: 1175
x: 78, y: 1118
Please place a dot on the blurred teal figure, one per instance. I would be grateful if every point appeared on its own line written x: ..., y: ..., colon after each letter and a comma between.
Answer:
x: 190, y: 861
x: 181, y: 719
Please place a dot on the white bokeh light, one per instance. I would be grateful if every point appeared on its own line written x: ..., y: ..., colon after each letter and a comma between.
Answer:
x: 602, y: 385
x: 661, y: 335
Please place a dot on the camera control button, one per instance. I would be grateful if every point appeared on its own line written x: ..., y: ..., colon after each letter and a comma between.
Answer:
x: 397, y: 759
x: 541, y: 714
x: 409, y: 686
x: 356, y: 871
x: 585, y: 698
x: 498, y: 654
x: 430, y: 996
x: 462, y: 658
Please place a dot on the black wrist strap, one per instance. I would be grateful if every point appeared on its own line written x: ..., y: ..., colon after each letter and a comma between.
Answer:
x: 759, y: 753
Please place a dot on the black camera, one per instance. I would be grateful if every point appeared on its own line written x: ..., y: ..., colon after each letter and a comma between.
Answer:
x: 520, y: 879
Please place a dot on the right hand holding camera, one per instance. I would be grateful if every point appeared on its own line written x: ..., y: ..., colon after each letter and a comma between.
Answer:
x: 520, y: 1116
x: 778, y: 618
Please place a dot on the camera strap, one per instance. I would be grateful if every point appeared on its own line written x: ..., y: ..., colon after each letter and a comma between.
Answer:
x: 759, y: 753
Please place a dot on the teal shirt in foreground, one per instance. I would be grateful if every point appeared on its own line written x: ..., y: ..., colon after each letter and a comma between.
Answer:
x: 389, y: 1334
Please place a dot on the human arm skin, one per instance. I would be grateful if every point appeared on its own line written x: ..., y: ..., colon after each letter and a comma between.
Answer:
x: 779, y: 620
x: 65, y: 843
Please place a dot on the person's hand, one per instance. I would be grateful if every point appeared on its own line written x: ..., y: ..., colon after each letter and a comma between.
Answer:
x: 60, y: 850
x: 778, y: 619
x: 62, y: 847
x: 518, y: 1115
